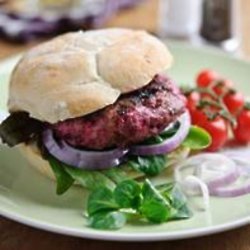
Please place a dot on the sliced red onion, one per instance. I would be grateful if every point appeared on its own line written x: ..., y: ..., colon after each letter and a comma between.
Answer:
x: 191, y: 181
x: 83, y: 159
x: 232, y: 180
x: 169, y: 144
x: 215, y: 170
x: 241, y: 156
x: 224, y: 171
x: 242, y: 185
x: 232, y: 191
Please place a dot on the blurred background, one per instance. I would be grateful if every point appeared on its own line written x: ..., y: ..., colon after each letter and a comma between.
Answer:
x: 224, y: 24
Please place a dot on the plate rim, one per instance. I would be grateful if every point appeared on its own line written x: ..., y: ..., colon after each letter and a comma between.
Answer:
x: 124, y: 236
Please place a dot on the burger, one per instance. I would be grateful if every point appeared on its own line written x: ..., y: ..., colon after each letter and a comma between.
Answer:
x: 92, y: 106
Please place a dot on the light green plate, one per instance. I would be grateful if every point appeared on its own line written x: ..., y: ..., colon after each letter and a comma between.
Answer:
x: 28, y: 197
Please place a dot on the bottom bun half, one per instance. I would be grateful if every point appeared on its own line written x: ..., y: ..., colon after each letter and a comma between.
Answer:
x: 33, y: 155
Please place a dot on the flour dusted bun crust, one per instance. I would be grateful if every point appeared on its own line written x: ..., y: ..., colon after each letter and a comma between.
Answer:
x: 81, y: 72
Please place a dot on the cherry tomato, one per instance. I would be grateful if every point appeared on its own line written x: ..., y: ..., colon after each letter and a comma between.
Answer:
x: 234, y: 102
x: 205, y: 77
x: 223, y: 86
x: 192, y: 100
x: 198, y: 117
x: 242, y: 130
x: 217, y: 128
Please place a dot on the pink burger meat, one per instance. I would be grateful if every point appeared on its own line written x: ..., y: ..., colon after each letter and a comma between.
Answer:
x: 133, y: 118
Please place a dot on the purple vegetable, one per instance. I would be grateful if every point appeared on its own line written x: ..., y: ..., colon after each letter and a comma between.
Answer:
x: 169, y: 144
x: 83, y: 159
x: 223, y: 175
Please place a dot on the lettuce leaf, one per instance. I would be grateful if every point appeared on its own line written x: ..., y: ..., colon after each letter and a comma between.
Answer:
x: 197, y: 138
x: 19, y: 127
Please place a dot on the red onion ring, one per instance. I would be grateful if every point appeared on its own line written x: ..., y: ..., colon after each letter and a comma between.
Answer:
x: 83, y: 159
x: 191, y: 181
x: 227, y: 177
x: 169, y: 144
x: 233, y: 182
x: 241, y: 158
x: 228, y: 191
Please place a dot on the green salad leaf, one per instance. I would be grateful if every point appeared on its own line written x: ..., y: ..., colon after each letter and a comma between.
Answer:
x: 67, y: 175
x: 90, y: 179
x: 110, y: 220
x: 163, y: 135
x: 197, y: 138
x: 181, y: 213
x: 130, y: 199
x: 176, y: 197
x: 151, y: 165
x: 128, y: 194
x: 116, y: 174
x: 177, y: 200
x: 63, y: 180
x: 101, y: 200
x: 154, y: 206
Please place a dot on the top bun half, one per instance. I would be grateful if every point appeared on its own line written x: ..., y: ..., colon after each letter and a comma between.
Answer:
x: 81, y: 72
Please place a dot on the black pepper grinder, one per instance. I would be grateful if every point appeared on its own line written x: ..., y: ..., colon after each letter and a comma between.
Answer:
x: 220, y: 23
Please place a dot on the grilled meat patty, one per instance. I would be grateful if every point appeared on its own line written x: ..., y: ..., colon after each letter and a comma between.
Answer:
x: 131, y: 119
